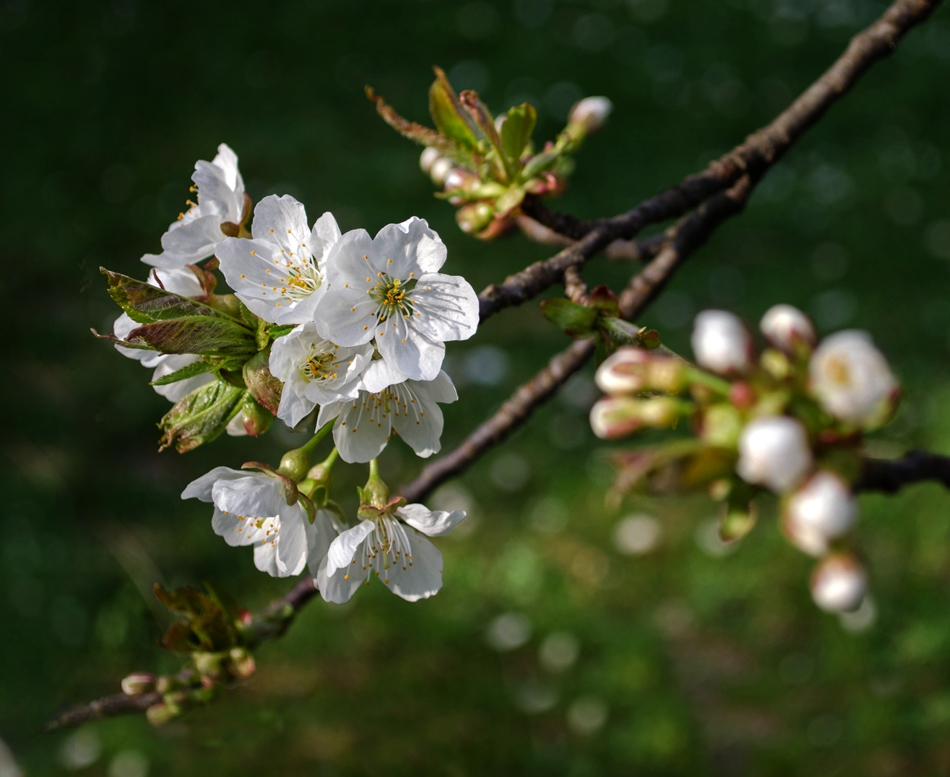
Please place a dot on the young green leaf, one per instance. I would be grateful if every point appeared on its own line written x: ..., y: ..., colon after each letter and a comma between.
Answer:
x: 146, y: 304
x: 195, y: 334
x: 188, y: 371
x: 516, y: 130
x: 575, y: 320
x: 451, y: 119
x: 201, y: 416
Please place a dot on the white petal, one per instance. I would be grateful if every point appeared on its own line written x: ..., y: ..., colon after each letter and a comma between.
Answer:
x: 232, y: 528
x: 279, y: 216
x: 362, y: 429
x: 201, y: 488
x: 448, y: 306
x: 424, y: 578
x: 345, y: 318
x: 344, y: 548
x: 179, y: 280
x: 434, y: 523
x: 418, y: 423
x: 227, y: 160
x: 412, y: 246
x: 379, y: 375
x: 338, y: 588
x: 409, y: 350
x: 190, y: 243
x: 121, y: 328
x: 170, y: 363
x: 323, y: 237
x: 215, y: 195
x: 439, y: 389
x: 254, y: 495
x: 265, y: 558
x: 292, y: 540
x: 350, y: 263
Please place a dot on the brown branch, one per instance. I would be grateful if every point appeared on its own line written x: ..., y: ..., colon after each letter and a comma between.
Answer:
x: 106, y: 707
x: 891, y: 475
x: 755, y: 155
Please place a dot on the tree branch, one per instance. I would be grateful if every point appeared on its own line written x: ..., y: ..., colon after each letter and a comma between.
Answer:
x: 891, y: 475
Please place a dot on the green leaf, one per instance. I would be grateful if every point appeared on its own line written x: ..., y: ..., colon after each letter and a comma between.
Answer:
x: 200, y: 416
x: 188, y: 371
x: 540, y: 163
x: 195, y: 334
x: 264, y: 387
x: 510, y: 200
x: 451, y: 119
x: 516, y: 130
x: 146, y: 304
x: 573, y: 319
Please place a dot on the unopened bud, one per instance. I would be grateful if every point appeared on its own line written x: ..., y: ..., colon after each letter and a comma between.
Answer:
x: 255, y: 418
x: 460, y: 178
x: 742, y: 395
x: 440, y: 168
x: 721, y: 342
x: 625, y: 372
x: 474, y: 218
x: 242, y: 663
x: 138, y: 684
x: 839, y: 583
x: 774, y: 452
x: 590, y: 114
x: 823, y: 505
x: 787, y: 328
x: 159, y: 714
x: 851, y: 378
x: 613, y: 417
x: 427, y: 158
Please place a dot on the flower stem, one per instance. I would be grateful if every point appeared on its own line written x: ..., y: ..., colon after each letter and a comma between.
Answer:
x: 373, y: 469
x: 330, y: 460
x: 710, y: 381
x: 315, y: 440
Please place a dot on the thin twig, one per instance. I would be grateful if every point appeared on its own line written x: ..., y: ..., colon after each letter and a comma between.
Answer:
x: 891, y: 475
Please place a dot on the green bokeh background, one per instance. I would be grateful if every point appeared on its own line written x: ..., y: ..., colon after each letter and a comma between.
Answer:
x: 704, y: 663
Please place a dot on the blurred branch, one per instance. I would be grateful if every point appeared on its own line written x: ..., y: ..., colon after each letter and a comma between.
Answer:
x: 754, y: 156
x: 891, y: 475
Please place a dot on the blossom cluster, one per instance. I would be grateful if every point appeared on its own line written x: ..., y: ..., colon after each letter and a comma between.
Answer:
x: 348, y: 327
x: 789, y: 420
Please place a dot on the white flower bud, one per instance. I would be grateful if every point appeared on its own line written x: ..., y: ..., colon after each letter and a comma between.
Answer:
x: 591, y: 113
x: 440, y: 168
x: 611, y: 417
x: 428, y: 158
x: 850, y: 377
x: 774, y: 452
x: 721, y: 342
x: 825, y: 505
x: 624, y: 372
x: 839, y: 583
x: 784, y: 326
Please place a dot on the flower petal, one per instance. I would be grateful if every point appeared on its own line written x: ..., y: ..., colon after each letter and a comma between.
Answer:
x: 265, y: 558
x: 253, y: 496
x: 424, y: 578
x: 418, y: 422
x: 346, y: 319
x: 448, y: 306
x: 412, y: 246
x: 277, y: 217
x: 202, y: 487
x: 362, y: 429
x: 292, y: 540
x: 343, y: 549
x: 350, y: 262
x: 409, y: 350
x: 434, y: 523
x: 190, y: 243
x: 379, y: 375
x: 168, y: 364
x: 323, y: 237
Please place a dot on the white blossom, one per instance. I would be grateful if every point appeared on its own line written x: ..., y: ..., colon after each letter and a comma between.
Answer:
x: 774, y: 452
x: 314, y: 371
x: 280, y: 272
x: 591, y: 113
x: 850, y: 377
x: 721, y: 342
x: 839, y: 583
x: 184, y: 282
x: 784, y: 326
x: 821, y: 510
x: 365, y: 424
x: 250, y: 508
x: 388, y: 289
x: 220, y: 199
x: 392, y: 546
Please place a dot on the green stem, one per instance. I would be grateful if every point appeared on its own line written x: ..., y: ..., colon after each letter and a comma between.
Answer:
x: 710, y: 381
x: 330, y: 460
x: 373, y: 469
x: 315, y: 440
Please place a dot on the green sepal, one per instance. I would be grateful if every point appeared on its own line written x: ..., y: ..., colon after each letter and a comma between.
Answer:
x: 450, y: 118
x: 201, y: 416
x: 517, y: 129
x: 188, y: 371
x: 264, y: 387
x: 145, y: 303
x: 195, y: 334
x: 575, y: 320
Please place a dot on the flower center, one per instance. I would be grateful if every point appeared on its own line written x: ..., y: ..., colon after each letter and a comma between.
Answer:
x: 301, y: 281
x: 391, y: 297
x: 838, y: 372
x: 386, y: 547
x: 319, y: 365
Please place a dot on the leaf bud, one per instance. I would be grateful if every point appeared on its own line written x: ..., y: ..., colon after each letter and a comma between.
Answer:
x: 839, y: 583
x: 138, y: 684
x: 721, y: 342
x: 774, y: 452
x: 788, y: 329
x: 590, y: 114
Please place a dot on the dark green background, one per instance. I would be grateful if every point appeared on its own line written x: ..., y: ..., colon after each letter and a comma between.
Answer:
x: 706, y: 665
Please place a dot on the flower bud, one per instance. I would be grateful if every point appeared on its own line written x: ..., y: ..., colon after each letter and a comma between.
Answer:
x: 255, y: 418
x: 611, y: 418
x: 159, y: 714
x: 242, y: 663
x: 590, y: 114
x: 440, y: 168
x: 839, y: 583
x: 474, y: 218
x: 459, y: 178
x: 427, y: 158
x: 721, y: 342
x: 625, y: 372
x: 787, y: 328
x: 138, y: 684
x: 774, y: 452
x: 823, y: 505
x: 851, y: 378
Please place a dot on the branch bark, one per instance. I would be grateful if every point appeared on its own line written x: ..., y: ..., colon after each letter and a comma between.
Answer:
x: 890, y: 475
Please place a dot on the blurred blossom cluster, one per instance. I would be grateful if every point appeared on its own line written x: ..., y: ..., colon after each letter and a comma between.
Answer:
x: 788, y: 419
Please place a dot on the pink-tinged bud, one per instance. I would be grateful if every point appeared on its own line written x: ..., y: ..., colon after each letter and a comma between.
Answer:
x: 440, y: 168
x: 474, y: 218
x: 839, y: 583
x: 242, y: 663
x: 742, y: 395
x: 851, y: 378
x: 160, y: 714
x: 138, y: 684
x: 787, y: 328
x: 803, y: 537
x: 428, y: 158
x: 774, y: 452
x: 611, y: 418
x: 590, y: 114
x: 721, y: 342
x: 459, y: 178
x: 823, y: 505
x: 625, y: 372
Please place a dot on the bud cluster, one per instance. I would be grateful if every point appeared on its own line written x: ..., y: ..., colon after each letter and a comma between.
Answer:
x: 485, y: 165
x: 789, y: 419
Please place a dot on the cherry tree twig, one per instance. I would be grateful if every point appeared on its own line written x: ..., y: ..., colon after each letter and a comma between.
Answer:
x: 720, y: 191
